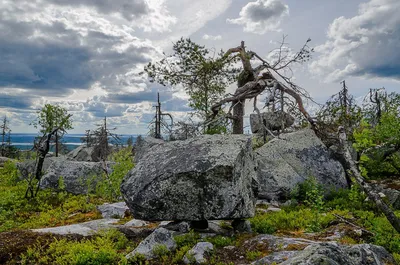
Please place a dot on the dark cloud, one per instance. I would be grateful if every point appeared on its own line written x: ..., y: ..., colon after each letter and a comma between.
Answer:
x: 59, y: 62
x: 17, y: 102
x: 264, y: 10
x: 129, y: 9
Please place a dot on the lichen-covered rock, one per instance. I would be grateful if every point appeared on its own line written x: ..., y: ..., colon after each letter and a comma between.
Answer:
x: 114, y: 210
x: 78, y: 177
x: 273, y: 121
x: 143, y: 145
x: 28, y: 166
x: 197, y: 254
x: 160, y: 236
x: 334, y: 254
x: 204, y: 178
x: 285, y: 162
x: 83, y: 153
x: 392, y: 194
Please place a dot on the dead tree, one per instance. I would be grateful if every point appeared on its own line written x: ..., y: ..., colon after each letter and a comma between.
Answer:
x: 372, y: 195
x: 254, y: 81
x: 159, y: 121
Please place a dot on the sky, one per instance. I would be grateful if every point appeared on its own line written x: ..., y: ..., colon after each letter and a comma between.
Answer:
x: 86, y: 55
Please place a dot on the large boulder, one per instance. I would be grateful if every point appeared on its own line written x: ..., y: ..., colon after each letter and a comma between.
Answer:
x: 273, y: 121
x: 143, y: 145
x: 78, y: 177
x: 291, y: 159
x: 203, y: 178
x: 27, y: 167
x: 83, y: 153
x: 332, y: 254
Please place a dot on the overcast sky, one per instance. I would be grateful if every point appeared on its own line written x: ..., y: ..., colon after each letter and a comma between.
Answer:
x: 86, y: 54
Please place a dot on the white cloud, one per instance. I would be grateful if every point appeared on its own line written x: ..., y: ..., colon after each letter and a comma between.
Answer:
x: 261, y: 16
x: 366, y: 45
x: 211, y: 37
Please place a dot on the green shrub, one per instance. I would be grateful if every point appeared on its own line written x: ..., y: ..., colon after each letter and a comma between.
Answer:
x: 290, y: 220
x: 253, y: 255
x: 220, y: 241
x: 110, y: 186
x: 189, y: 239
x: 103, y: 249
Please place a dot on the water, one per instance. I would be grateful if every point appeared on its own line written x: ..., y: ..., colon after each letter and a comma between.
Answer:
x: 24, y: 141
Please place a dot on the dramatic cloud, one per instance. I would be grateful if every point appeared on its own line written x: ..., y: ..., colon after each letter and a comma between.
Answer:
x: 129, y: 9
x: 261, y: 16
x: 366, y: 45
x: 211, y: 37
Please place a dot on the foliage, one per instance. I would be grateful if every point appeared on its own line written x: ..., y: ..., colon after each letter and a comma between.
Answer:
x: 309, y: 192
x: 6, y: 149
x: 290, y: 220
x: 49, y: 118
x: 103, y: 249
x: 189, y: 239
x: 340, y: 110
x: 204, y: 74
x: 253, y: 255
x: 109, y: 188
x: 49, y: 208
x: 379, y: 144
x: 220, y: 241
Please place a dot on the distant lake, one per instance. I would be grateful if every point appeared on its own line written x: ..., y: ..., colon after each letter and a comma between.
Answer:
x: 24, y: 141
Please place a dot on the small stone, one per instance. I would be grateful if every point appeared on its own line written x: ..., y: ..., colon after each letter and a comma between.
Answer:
x: 160, y: 236
x: 136, y: 223
x: 113, y: 210
x: 196, y: 254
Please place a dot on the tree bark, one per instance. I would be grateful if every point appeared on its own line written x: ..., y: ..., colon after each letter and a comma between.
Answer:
x: 372, y: 195
x: 238, y: 113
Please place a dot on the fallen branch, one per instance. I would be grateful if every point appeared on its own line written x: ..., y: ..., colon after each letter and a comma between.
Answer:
x: 372, y: 195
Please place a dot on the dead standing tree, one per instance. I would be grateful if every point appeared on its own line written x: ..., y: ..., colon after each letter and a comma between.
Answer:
x: 252, y: 83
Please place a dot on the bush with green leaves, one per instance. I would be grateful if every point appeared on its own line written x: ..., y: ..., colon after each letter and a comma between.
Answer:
x: 108, y: 247
x: 110, y: 186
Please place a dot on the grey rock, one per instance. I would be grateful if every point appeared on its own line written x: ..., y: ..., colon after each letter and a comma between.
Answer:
x: 114, y: 210
x: 242, y: 226
x: 3, y: 160
x: 160, y: 236
x: 273, y: 121
x: 334, y: 254
x: 28, y: 166
x: 196, y: 254
x: 143, y: 145
x: 285, y: 162
x: 275, y: 258
x: 79, y: 177
x: 276, y: 244
x: 136, y: 223
x: 209, y: 177
x: 177, y: 226
x: 84, y: 229
x: 83, y: 153
x: 392, y: 195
